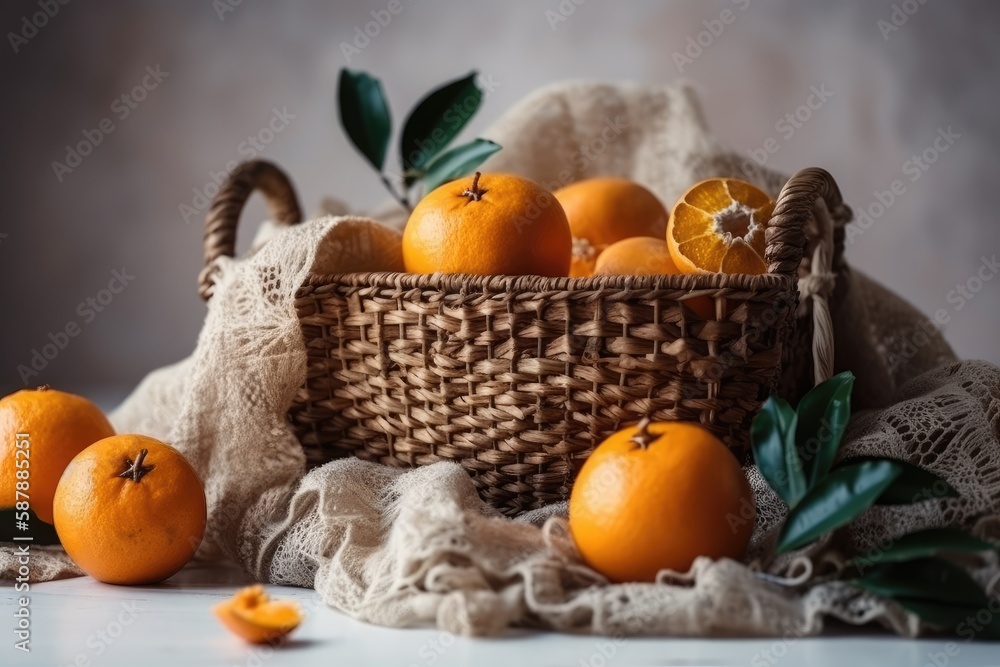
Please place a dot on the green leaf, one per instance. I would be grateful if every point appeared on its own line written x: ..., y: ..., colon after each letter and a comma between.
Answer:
x: 962, y: 620
x: 457, y: 162
x: 364, y: 113
x: 926, y: 543
x: 772, y: 438
x: 913, y: 485
x: 927, y: 579
x: 435, y: 121
x: 835, y: 501
x: 823, y: 415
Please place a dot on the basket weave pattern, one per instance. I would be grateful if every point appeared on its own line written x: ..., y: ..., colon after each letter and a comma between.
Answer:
x: 518, y: 378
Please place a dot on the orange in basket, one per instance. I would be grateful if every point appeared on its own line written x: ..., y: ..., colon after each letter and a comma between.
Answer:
x: 488, y: 225
x: 717, y: 226
x: 602, y: 211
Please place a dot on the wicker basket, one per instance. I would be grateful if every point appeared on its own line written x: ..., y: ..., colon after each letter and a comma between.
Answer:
x: 518, y: 378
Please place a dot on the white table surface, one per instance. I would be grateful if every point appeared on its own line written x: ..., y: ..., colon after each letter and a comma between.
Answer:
x: 80, y: 621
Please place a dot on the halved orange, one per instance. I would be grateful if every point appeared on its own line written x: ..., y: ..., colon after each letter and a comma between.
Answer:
x: 717, y: 226
x: 255, y: 617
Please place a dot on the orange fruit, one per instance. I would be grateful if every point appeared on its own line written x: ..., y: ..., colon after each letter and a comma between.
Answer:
x: 717, y: 226
x: 130, y: 509
x: 254, y: 616
x: 602, y: 211
x: 636, y: 256
x: 41, y: 430
x: 656, y: 496
x: 642, y: 256
x: 490, y: 224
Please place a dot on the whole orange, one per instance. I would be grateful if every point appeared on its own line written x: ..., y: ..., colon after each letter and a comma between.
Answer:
x: 602, y: 211
x: 41, y: 430
x: 490, y: 224
x: 644, y: 256
x: 635, y: 256
x: 130, y: 510
x: 656, y: 496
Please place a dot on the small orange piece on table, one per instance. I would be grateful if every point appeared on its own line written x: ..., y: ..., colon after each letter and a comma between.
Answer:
x: 656, y: 496
x: 254, y: 616
x: 130, y: 510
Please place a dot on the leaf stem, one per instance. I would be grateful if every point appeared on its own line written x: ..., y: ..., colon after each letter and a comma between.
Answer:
x: 401, y: 199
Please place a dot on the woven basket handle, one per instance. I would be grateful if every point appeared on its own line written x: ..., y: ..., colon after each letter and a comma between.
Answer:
x: 810, y: 195
x: 220, y: 223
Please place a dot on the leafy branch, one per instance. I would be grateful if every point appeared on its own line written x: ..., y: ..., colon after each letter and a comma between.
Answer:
x: 428, y: 130
x: 797, y: 453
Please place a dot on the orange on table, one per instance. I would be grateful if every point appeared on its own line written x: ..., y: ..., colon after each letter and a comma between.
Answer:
x: 717, y: 226
x: 55, y: 426
x: 130, y: 509
x: 254, y: 616
x: 642, y: 256
x: 602, y: 211
x: 490, y: 224
x: 658, y: 495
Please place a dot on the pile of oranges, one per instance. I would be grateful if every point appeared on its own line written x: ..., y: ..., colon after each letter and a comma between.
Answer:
x: 502, y: 224
x: 128, y: 509
x: 657, y: 495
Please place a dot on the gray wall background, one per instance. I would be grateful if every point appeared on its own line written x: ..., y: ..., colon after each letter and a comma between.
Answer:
x: 118, y: 209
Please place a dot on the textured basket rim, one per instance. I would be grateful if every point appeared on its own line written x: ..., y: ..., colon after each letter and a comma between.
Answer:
x: 466, y: 283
